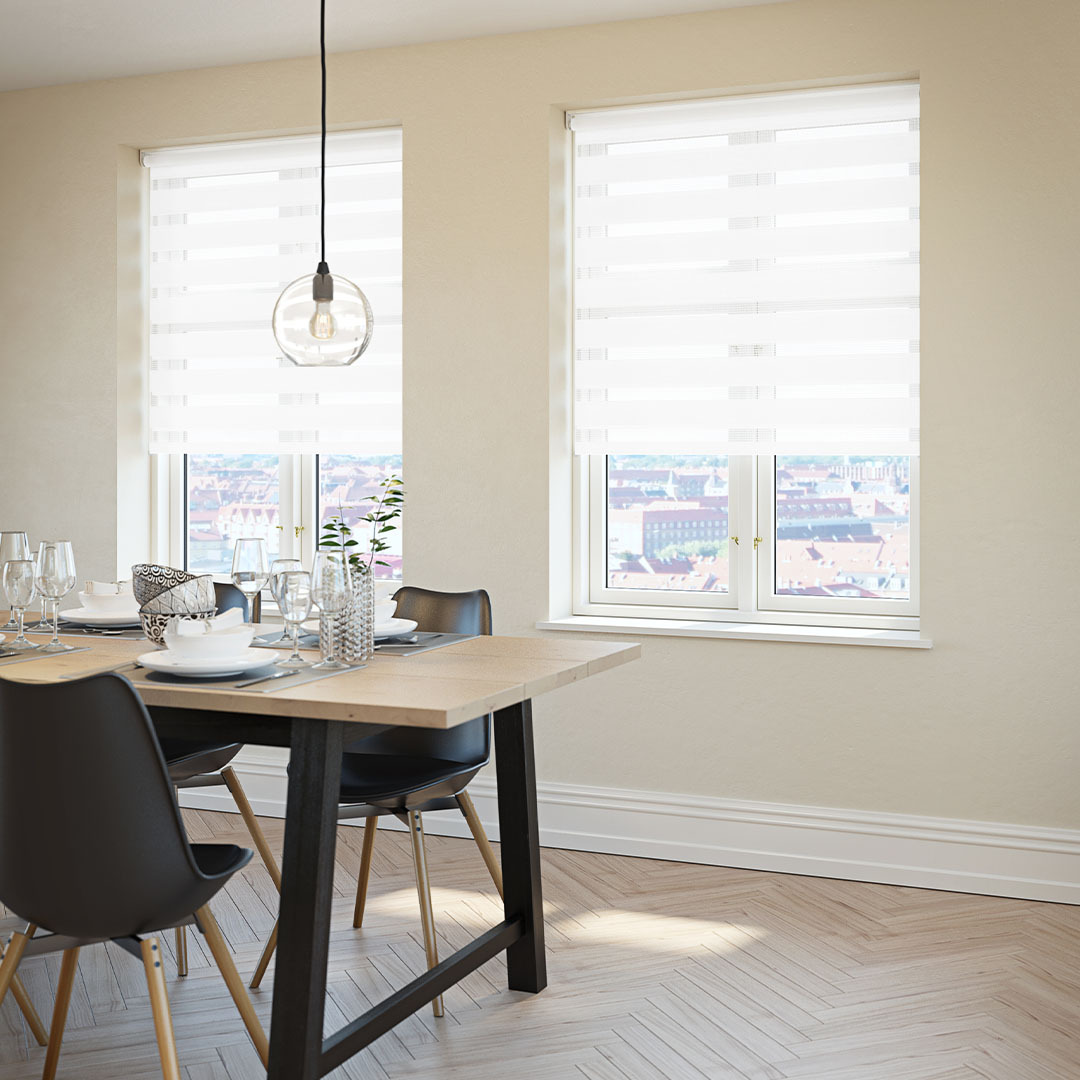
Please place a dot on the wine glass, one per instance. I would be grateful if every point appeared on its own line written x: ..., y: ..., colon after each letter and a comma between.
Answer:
x: 19, y: 587
x: 249, y: 569
x: 54, y: 575
x: 13, y: 545
x: 294, y: 598
x: 278, y: 568
x: 45, y: 621
x: 331, y: 589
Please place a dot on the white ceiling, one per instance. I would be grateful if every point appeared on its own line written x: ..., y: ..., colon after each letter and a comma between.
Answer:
x: 45, y: 42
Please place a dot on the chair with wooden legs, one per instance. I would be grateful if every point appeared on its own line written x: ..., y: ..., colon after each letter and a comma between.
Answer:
x: 119, y: 869
x: 196, y: 764
x: 409, y: 772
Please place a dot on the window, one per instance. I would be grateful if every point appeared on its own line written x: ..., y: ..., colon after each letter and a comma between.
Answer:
x: 244, y: 442
x: 230, y: 496
x: 746, y: 368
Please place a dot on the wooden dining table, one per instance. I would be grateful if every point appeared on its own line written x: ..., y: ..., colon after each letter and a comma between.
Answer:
x: 438, y: 689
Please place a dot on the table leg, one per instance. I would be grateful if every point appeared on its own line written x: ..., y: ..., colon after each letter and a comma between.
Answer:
x: 296, y: 1033
x: 519, y: 832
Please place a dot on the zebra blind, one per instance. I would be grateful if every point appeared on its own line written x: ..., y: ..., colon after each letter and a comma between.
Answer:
x: 230, y: 225
x: 747, y: 274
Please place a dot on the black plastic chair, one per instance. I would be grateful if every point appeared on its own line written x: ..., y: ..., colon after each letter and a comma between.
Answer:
x: 121, y: 868
x: 196, y: 764
x: 410, y: 771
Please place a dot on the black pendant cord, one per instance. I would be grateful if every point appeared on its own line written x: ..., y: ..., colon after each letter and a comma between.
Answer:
x: 322, y: 170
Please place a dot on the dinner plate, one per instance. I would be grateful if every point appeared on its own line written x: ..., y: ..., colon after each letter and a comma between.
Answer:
x: 390, y: 628
x: 394, y: 627
x: 82, y: 617
x: 171, y: 664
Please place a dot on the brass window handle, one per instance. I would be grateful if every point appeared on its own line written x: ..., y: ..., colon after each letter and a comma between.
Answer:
x: 758, y: 540
x: 735, y: 538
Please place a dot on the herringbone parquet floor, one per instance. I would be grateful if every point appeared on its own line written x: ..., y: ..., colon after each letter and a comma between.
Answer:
x: 659, y: 971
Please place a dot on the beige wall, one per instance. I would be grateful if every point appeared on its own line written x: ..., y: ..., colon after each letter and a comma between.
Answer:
x: 985, y: 725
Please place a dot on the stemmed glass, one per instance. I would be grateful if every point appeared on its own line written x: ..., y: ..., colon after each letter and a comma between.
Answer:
x: 18, y: 581
x: 278, y: 569
x: 249, y: 572
x: 331, y: 589
x: 294, y: 598
x: 54, y: 576
x: 13, y: 545
x: 45, y: 621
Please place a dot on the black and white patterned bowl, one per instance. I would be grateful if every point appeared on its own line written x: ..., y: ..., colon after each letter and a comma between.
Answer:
x: 185, y: 598
x: 151, y: 579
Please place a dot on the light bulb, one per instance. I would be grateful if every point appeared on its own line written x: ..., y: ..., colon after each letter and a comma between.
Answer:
x: 322, y: 324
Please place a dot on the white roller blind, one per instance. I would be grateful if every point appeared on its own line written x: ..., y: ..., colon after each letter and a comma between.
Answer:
x: 747, y: 275
x: 230, y: 225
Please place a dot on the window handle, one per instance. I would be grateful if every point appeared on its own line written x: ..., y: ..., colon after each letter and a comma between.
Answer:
x: 735, y: 538
x: 758, y: 540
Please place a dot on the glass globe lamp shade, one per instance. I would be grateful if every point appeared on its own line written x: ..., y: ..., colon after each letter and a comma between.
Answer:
x: 323, y: 333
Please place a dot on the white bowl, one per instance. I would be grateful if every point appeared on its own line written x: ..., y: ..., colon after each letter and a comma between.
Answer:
x: 384, y: 612
x: 103, y: 604
x: 210, y: 646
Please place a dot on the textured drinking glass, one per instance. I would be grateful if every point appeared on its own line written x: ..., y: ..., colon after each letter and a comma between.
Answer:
x: 249, y: 569
x: 278, y: 568
x: 294, y: 599
x: 331, y: 590
x: 18, y: 582
x: 54, y: 575
x: 13, y: 545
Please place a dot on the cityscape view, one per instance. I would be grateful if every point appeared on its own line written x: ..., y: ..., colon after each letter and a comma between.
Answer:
x: 238, y: 495
x: 842, y: 525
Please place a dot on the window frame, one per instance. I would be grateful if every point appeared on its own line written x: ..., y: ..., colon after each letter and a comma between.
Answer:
x: 853, y: 607
x: 297, y: 505
x: 751, y: 599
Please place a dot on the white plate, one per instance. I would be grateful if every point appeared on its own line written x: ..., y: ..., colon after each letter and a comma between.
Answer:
x: 390, y: 628
x: 394, y: 627
x: 82, y: 617
x: 171, y: 664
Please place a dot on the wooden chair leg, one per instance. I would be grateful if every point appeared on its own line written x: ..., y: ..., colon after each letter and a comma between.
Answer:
x: 11, y: 956
x: 68, y: 967
x: 264, y: 960
x: 370, y: 828
x: 159, y: 1003
x: 252, y: 823
x: 423, y: 889
x: 33, y: 1021
x: 487, y: 852
x: 212, y: 933
x: 181, y: 951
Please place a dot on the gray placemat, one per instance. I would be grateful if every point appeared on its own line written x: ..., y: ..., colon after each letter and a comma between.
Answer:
x: 296, y: 677
x: 135, y: 633
x: 425, y: 642
x: 22, y: 656
x: 273, y: 641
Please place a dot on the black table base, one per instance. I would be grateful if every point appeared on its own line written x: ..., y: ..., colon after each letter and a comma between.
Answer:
x: 297, y: 1048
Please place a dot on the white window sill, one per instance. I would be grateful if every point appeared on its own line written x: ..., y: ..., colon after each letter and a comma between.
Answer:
x: 820, y: 635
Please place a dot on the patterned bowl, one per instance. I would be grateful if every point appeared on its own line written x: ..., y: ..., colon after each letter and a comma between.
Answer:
x: 150, y: 579
x: 154, y: 624
x: 185, y: 598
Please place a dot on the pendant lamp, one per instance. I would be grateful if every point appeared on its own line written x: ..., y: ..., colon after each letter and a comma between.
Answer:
x: 321, y: 320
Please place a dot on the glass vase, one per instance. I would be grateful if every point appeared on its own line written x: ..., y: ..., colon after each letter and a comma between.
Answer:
x: 353, y: 627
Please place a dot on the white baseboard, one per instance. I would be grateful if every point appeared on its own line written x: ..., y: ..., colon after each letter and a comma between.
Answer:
x: 895, y: 849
